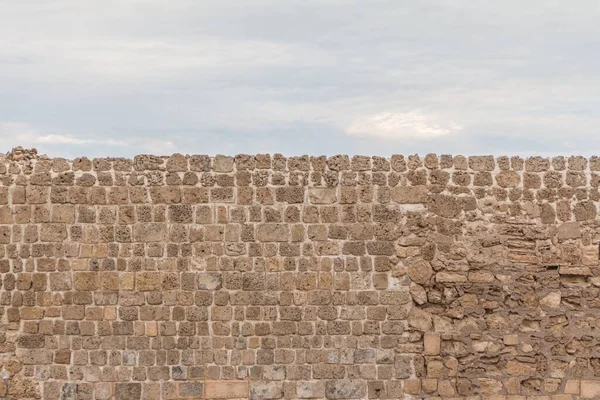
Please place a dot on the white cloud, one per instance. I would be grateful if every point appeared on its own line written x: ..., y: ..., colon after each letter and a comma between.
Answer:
x: 156, y: 146
x: 401, y: 125
x: 61, y: 139
x: 24, y: 134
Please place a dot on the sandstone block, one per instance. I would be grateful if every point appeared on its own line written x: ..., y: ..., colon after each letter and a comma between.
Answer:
x: 273, y: 233
x: 449, y: 277
x: 322, y: 195
x: 53, y: 233
x: 226, y: 389
x: 150, y: 232
x: 223, y: 163
x: 310, y: 389
x: 85, y: 281
x: 551, y: 300
x: 34, y: 356
x: 60, y: 281
x: 537, y: 164
x: 572, y: 386
x: 444, y: 205
x: 191, y: 389
x: 409, y: 194
x: 128, y: 391
x: 420, y: 271
x: 508, y: 179
x: 148, y: 281
x: 266, y: 390
x: 481, y: 163
x: 590, y: 389
x: 346, y: 389
x: 419, y: 319
x: 590, y: 255
x: 511, y: 340
x: 520, y: 369
x: 431, y: 343
x: 210, y: 281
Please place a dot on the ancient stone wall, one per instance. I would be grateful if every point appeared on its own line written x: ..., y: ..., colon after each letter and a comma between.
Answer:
x: 265, y: 277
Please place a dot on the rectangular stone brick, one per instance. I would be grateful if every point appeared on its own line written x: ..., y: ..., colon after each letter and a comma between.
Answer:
x: 148, y: 281
x: 432, y: 343
x: 226, y: 389
x: 191, y: 389
x: 273, y: 233
x: 409, y: 194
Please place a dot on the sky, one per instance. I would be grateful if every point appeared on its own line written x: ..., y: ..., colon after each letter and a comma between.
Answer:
x: 125, y: 77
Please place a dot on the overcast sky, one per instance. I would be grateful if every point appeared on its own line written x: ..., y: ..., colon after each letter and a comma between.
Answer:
x: 123, y: 77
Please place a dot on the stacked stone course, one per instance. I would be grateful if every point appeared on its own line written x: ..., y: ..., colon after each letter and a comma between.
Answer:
x: 272, y: 277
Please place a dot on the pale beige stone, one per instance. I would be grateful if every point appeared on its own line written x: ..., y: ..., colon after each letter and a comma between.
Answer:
x: 226, y: 389
x: 322, y: 195
x: 572, y: 386
x: 590, y: 389
x: 551, y: 300
x: 409, y: 194
x: 590, y: 255
x: 432, y: 343
x: 521, y: 369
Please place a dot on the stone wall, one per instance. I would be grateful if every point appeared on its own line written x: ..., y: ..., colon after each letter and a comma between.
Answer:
x: 265, y: 277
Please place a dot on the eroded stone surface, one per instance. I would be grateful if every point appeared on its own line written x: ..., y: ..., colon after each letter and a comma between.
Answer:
x: 266, y: 277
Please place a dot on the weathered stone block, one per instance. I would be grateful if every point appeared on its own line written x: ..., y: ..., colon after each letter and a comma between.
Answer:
x: 191, y: 389
x: 322, y: 195
x: 128, y: 391
x: 148, y: 281
x: 346, y: 389
x: 266, y: 390
x: 226, y: 389
x: 590, y: 389
x: 273, y: 233
x: 432, y: 343
x: 409, y: 194
x: 150, y: 232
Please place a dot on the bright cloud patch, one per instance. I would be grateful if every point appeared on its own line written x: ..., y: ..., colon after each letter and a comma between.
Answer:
x: 26, y: 135
x: 410, y: 125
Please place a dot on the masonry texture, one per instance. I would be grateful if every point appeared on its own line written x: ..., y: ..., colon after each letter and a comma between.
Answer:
x: 266, y: 277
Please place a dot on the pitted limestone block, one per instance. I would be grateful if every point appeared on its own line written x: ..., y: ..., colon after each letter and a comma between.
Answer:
x: 148, y: 281
x: 450, y: 277
x: 482, y: 163
x: 508, y: 179
x: 265, y: 390
x: 537, y: 164
x: 191, y: 389
x: 128, y: 391
x: 409, y: 194
x: 346, y: 389
x: 273, y: 232
x: 150, y: 232
x: 444, y: 205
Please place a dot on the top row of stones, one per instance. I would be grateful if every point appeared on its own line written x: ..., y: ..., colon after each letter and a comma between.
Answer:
x: 278, y: 162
